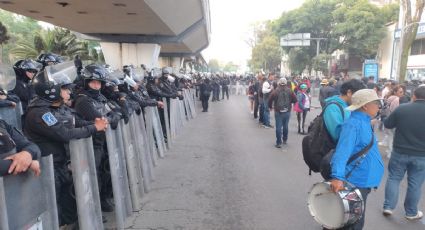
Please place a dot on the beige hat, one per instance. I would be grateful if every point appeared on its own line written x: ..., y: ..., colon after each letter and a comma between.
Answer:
x: 324, y: 82
x: 282, y: 81
x: 361, y: 98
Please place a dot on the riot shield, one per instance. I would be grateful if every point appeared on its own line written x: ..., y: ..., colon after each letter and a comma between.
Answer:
x: 187, y: 105
x: 133, y: 167
x: 150, y: 155
x: 11, y: 115
x: 157, y: 130
x: 167, y: 121
x: 29, y: 202
x: 154, y: 144
x: 122, y: 197
x: 137, y: 137
x: 173, y: 118
x: 183, y: 115
x: 191, y: 95
x: 85, y: 183
x: 62, y: 73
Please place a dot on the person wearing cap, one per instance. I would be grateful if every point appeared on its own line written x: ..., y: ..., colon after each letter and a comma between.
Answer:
x: 302, y: 106
x: 281, y: 100
x: 334, y: 114
x: 322, y: 92
x: 356, y: 134
x: 408, y: 155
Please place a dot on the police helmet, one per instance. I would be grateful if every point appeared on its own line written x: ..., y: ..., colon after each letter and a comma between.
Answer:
x: 47, y: 58
x: 22, y: 66
x: 46, y: 89
x: 95, y: 72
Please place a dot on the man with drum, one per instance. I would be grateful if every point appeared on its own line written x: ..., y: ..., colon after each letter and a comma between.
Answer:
x: 365, y: 172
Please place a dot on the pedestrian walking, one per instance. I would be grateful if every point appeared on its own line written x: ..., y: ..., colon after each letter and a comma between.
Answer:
x: 267, y: 89
x: 408, y: 155
x: 302, y: 107
x: 366, y: 172
x: 281, y: 100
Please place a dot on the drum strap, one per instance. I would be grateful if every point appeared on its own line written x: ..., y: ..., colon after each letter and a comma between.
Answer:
x: 361, y: 154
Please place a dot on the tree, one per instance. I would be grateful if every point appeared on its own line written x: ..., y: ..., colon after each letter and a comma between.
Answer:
x: 230, y: 67
x: 360, y: 26
x: 4, y: 37
x: 409, y: 28
x: 298, y: 60
x: 213, y: 65
x: 57, y: 40
x: 266, y: 54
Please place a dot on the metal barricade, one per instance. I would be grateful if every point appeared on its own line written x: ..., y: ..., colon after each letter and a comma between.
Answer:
x: 140, y: 151
x: 133, y: 167
x: 85, y: 183
x: 29, y: 202
x: 120, y: 186
x: 12, y: 115
x: 167, y: 121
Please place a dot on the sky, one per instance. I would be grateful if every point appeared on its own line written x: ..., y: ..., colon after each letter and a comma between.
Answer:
x: 231, y: 21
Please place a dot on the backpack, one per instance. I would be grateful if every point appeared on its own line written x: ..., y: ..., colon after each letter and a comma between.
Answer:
x: 318, y: 142
x: 283, y: 102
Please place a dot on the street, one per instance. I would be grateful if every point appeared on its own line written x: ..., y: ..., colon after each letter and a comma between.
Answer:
x: 223, y: 172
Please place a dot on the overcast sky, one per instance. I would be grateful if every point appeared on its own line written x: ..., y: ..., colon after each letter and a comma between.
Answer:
x: 230, y: 25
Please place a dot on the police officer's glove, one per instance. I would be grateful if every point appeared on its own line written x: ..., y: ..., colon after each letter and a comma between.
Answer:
x: 181, y: 97
x: 138, y: 110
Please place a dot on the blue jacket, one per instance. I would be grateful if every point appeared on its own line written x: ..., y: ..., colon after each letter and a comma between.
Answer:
x: 355, y: 135
x: 333, y: 117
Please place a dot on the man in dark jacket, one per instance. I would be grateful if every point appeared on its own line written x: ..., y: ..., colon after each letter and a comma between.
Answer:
x: 51, y: 125
x: 17, y: 154
x: 408, y: 155
x: 90, y: 104
x: 281, y: 99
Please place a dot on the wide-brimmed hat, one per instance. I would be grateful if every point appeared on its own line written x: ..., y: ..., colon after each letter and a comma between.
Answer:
x: 324, y: 82
x: 361, y: 98
x: 282, y: 81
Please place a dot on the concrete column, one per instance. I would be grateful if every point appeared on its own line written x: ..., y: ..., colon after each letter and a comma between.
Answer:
x: 119, y: 54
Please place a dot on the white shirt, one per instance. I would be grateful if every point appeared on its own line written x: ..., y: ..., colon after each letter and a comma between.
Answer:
x: 267, y: 88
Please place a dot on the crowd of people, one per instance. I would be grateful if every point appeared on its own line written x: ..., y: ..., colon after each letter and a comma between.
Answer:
x: 353, y: 111
x: 59, y: 108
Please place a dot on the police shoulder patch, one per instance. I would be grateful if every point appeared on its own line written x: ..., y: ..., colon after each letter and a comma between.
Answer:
x: 49, y: 119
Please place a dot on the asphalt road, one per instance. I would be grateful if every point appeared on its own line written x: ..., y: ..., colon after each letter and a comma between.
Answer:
x: 223, y: 172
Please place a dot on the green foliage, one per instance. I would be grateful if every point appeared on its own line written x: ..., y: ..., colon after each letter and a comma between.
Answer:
x: 266, y: 55
x: 57, y: 40
x: 355, y: 26
x: 4, y: 36
x: 320, y: 63
x: 213, y: 65
x: 230, y: 67
x: 298, y: 60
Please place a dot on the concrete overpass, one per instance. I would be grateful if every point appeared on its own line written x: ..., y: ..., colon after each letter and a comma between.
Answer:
x: 130, y: 31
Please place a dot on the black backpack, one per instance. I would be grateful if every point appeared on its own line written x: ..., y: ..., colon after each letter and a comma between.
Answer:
x: 318, y: 142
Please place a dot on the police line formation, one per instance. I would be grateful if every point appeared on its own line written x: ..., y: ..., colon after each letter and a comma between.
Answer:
x: 341, y: 145
x: 76, y: 141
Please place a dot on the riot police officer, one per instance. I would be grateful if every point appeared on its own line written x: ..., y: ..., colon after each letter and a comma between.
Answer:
x: 90, y: 104
x: 47, y: 59
x: 225, y: 82
x: 51, y: 125
x: 25, y: 71
x: 17, y: 153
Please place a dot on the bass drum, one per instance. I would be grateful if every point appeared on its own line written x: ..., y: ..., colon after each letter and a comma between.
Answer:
x: 335, y: 210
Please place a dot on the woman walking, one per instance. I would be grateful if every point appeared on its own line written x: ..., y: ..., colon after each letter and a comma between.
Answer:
x: 302, y: 107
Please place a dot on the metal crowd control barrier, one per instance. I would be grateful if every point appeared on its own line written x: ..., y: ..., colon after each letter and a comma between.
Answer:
x: 167, y: 121
x: 133, y: 167
x: 122, y: 197
x: 29, y: 202
x: 85, y: 183
x: 12, y: 115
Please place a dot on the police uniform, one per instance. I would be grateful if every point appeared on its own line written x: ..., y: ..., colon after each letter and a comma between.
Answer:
x: 51, y: 128
x: 11, y: 142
